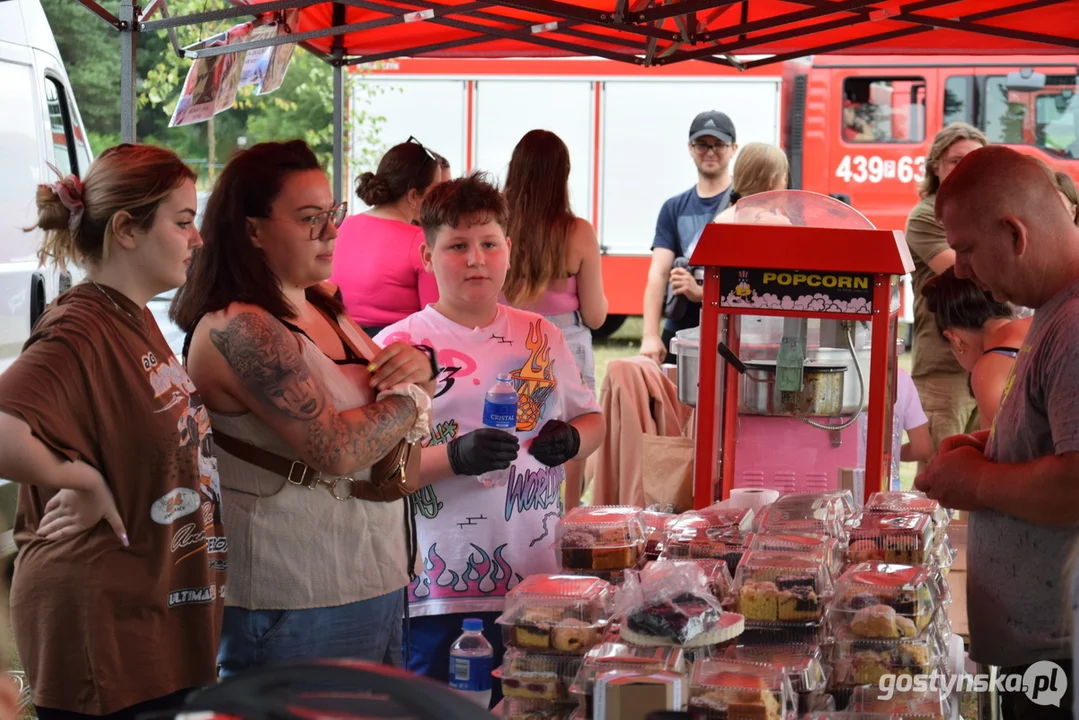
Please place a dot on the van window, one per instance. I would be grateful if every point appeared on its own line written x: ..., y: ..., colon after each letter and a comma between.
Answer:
x: 883, y: 110
x: 959, y: 99
x: 1047, y: 118
x: 63, y: 136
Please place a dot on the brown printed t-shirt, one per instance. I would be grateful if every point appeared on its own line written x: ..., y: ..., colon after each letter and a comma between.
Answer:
x: 100, y: 627
x: 925, y: 238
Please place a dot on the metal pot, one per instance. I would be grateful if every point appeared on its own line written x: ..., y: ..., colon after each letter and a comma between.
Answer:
x: 821, y: 394
x: 687, y: 346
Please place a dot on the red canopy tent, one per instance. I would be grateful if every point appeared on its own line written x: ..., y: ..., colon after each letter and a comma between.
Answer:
x: 641, y: 32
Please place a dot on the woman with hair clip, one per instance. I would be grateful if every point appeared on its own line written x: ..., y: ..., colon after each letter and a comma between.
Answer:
x: 117, y: 598
x: 555, y: 269
x: 314, y: 424
x: 377, y: 263
x: 984, y: 335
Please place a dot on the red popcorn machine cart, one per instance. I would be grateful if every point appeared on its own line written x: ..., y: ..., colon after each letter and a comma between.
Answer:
x: 797, y: 347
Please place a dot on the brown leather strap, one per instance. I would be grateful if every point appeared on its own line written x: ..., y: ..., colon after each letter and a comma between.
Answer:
x: 299, y: 473
x: 341, y: 333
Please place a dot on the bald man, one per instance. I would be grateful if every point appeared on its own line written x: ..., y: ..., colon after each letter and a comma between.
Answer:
x: 1019, y: 479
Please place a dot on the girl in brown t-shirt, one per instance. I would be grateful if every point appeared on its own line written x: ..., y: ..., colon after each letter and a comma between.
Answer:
x: 102, y: 427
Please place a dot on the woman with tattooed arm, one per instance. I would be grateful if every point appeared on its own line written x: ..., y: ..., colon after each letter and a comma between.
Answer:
x: 306, y: 410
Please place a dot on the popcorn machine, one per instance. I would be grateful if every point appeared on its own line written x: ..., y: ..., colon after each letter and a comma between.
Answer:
x: 801, y: 306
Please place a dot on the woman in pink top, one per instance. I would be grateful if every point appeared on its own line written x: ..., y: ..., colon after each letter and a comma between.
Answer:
x: 376, y: 264
x: 555, y: 260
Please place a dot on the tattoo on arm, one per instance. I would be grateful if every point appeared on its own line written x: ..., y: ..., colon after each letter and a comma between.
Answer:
x: 271, y: 369
x: 269, y: 365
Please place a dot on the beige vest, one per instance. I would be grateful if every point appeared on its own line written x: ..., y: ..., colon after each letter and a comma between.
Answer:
x: 291, y: 547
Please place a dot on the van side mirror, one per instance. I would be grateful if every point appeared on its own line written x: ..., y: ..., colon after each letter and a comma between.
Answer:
x: 1025, y: 80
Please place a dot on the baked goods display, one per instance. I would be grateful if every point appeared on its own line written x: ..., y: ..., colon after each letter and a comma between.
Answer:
x: 903, y: 538
x: 827, y: 548
x: 667, y: 603
x: 520, y: 709
x: 612, y: 656
x: 655, y: 532
x: 810, y: 515
x: 928, y: 705
x: 858, y: 660
x: 723, y: 689
x: 895, y: 501
x: 716, y: 575
x: 840, y: 502
x: 802, y: 664
x: 709, y: 534
x: 561, y: 613
x: 782, y: 593
x: 538, y: 676
x: 604, y: 538
x: 879, y: 600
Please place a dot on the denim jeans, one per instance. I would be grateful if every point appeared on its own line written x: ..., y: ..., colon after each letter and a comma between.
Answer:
x: 579, y: 339
x: 365, y: 630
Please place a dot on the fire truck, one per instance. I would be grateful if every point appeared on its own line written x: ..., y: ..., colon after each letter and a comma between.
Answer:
x: 854, y: 127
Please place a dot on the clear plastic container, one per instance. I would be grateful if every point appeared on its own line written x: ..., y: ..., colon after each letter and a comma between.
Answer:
x: 782, y: 587
x: 878, y: 600
x: 696, y: 536
x: 621, y: 656
x: 841, y: 501
x: 655, y: 532
x: 904, y: 502
x: 722, y: 689
x: 901, y: 705
x: 827, y: 548
x: 717, y: 577
x: 802, y: 664
x: 603, y: 538
x: 519, y: 709
x: 902, y: 538
x: 858, y: 660
x: 562, y: 613
x: 538, y: 676
x: 804, y: 515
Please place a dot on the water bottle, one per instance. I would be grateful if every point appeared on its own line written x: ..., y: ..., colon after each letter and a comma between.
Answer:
x: 499, y: 411
x: 471, y: 658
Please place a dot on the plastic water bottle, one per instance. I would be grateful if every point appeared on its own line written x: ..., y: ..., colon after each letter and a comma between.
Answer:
x: 471, y: 658
x: 499, y: 411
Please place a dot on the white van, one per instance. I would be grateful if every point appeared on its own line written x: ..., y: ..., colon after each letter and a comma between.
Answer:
x: 39, y: 125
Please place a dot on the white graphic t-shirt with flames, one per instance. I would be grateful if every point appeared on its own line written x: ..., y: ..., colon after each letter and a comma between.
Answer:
x: 477, y: 543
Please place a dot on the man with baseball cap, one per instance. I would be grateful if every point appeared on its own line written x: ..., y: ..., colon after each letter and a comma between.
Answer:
x: 672, y: 292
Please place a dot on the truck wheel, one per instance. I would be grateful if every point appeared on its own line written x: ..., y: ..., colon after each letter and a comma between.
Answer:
x: 610, y: 327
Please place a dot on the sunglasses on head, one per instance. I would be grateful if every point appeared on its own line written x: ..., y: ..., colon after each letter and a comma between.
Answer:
x: 416, y: 181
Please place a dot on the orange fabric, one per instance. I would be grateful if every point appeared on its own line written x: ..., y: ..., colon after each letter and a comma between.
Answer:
x: 625, y: 397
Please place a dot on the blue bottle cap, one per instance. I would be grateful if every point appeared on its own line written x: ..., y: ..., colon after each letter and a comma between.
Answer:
x: 473, y: 625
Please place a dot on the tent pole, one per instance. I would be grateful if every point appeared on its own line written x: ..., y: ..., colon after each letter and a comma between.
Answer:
x: 338, y: 107
x: 128, y: 69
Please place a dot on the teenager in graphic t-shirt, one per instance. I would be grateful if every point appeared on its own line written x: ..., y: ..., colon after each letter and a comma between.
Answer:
x: 479, y: 542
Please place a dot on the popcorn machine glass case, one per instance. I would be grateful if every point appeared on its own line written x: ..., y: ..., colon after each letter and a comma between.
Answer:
x: 801, y: 303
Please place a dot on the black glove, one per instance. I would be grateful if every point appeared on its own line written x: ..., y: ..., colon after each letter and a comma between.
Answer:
x: 482, y: 451
x: 556, y: 443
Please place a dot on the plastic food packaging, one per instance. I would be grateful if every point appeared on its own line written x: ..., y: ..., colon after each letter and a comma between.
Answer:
x: 668, y: 604
x: 723, y: 689
x: 804, y: 666
x: 902, y: 538
x: 621, y: 656
x: 879, y: 600
x: 538, y: 676
x: 603, y: 538
x: 562, y: 613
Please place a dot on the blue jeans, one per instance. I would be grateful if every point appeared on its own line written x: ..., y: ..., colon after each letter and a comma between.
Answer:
x: 430, y: 640
x: 365, y: 630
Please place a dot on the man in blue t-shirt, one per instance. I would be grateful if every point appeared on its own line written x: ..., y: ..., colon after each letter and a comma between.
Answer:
x: 681, y: 220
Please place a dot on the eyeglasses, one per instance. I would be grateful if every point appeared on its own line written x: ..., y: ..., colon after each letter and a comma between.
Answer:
x: 702, y: 148
x: 417, y: 181
x: 318, y: 221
